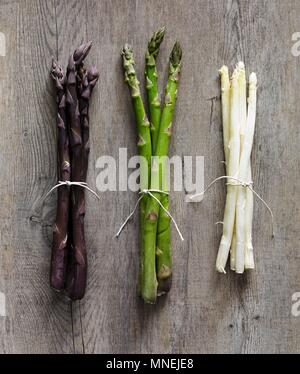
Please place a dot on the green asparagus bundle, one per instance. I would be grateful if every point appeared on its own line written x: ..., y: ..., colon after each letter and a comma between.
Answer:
x: 149, y: 288
x: 156, y: 262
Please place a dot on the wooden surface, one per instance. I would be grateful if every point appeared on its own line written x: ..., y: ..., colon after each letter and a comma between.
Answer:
x: 205, y: 312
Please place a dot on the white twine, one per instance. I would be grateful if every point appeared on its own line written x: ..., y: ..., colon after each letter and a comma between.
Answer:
x: 69, y: 183
x: 149, y: 192
x: 243, y: 184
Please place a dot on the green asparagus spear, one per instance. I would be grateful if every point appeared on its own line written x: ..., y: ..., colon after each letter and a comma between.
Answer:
x: 151, y: 83
x: 144, y: 136
x: 149, y: 285
x: 163, y: 241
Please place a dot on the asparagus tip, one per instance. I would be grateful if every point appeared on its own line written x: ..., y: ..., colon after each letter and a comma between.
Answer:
x: 176, y: 54
x: 56, y: 70
x: 127, y: 55
x: 127, y: 51
x: 252, y: 79
x: 155, y: 41
x: 223, y: 70
x: 81, y: 52
x: 240, y: 65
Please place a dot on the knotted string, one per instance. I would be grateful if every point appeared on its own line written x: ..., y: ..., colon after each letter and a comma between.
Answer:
x: 69, y: 183
x: 243, y: 184
x: 149, y: 192
x: 64, y: 183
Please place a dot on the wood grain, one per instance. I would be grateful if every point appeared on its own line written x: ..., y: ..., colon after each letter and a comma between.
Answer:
x: 205, y: 312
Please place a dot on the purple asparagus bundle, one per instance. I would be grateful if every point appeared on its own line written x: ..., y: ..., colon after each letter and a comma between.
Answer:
x: 69, y: 270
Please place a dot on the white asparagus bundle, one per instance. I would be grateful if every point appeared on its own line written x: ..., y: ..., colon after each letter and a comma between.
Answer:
x: 238, y: 133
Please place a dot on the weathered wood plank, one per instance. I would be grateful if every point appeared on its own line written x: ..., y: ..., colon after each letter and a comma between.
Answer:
x: 38, y: 321
x: 71, y: 25
x: 6, y: 255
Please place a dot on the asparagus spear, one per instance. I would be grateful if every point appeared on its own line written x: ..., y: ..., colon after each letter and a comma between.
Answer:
x: 246, y: 154
x: 225, y: 90
x: 151, y: 83
x: 241, y: 191
x: 233, y: 168
x: 86, y: 81
x: 225, y: 97
x: 149, y: 285
x: 60, y: 231
x: 76, y: 282
x: 163, y: 241
x: 144, y: 136
x: 249, y: 258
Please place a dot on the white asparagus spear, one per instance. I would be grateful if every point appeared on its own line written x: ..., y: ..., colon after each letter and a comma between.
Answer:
x: 243, y: 102
x: 240, y: 230
x: 241, y: 220
x: 233, y: 167
x: 225, y: 97
x: 249, y: 258
x: 243, y: 119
